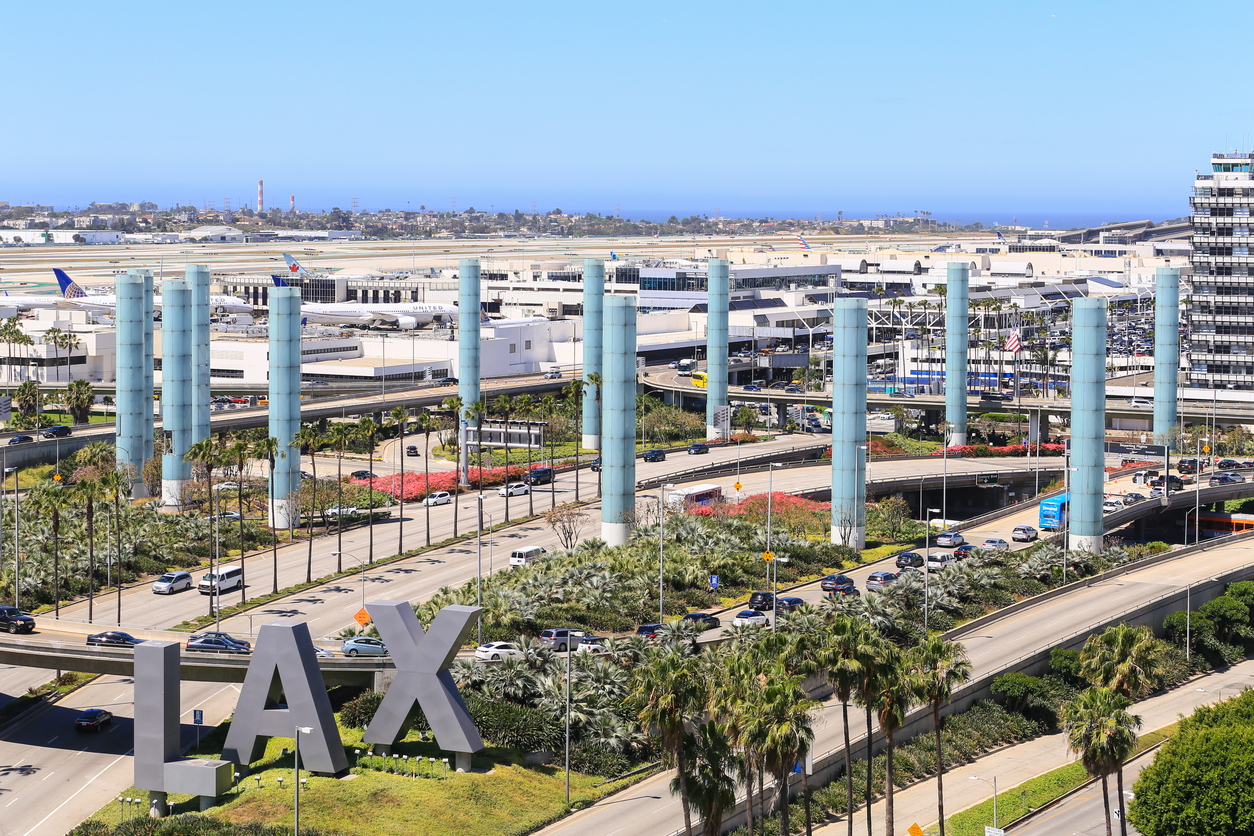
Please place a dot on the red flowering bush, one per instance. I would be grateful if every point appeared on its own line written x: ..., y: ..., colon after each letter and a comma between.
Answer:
x: 744, y: 438
x: 414, y: 486
x: 788, y: 511
x: 983, y: 451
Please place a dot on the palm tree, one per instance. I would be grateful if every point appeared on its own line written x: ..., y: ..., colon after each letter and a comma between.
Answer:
x: 782, y: 724
x: 504, y: 405
x: 549, y: 405
x: 573, y: 392
x: 525, y: 407
x: 79, y: 398
x: 204, y: 453
x: 852, y: 643
x: 892, y: 698
x: 426, y: 423
x: 877, y: 663
x: 309, y: 437
x: 52, y: 337
x: 116, y: 482
x: 9, y: 333
x: 339, y: 435
x: 238, y: 452
x: 69, y: 342
x: 596, y: 382
x: 89, y: 492
x: 667, y: 693
x: 28, y: 399
x: 455, y: 405
x: 941, y: 666
x: 1047, y: 360
x: 1123, y: 658
x: 367, y: 429
x: 1102, y: 732
x: 53, y: 498
x: 398, y: 417
x: 268, y: 449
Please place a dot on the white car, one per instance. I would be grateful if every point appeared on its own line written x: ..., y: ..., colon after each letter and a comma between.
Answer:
x: 496, y: 651
x: 336, y: 511
x: 1111, y: 505
x: 438, y: 498
x: 995, y: 544
x: 514, y: 489
x: 592, y: 645
x: 226, y: 486
x: 940, y: 560
x: 750, y: 617
x: 172, y: 582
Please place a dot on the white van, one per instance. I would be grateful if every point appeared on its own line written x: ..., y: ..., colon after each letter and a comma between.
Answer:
x: 224, y: 579
x: 522, y: 557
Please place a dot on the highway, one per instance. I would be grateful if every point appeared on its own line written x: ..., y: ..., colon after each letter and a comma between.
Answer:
x: 1084, y: 814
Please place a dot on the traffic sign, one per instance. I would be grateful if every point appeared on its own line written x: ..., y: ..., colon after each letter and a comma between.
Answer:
x: 1205, y: 448
x: 198, y: 717
x: 987, y: 480
x: 713, y: 581
x: 915, y: 830
x: 362, y: 617
x: 56, y: 477
x: 993, y: 831
x: 768, y: 555
x: 737, y: 486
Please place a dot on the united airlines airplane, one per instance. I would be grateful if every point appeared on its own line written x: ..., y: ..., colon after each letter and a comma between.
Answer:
x: 403, y: 315
x: 75, y: 296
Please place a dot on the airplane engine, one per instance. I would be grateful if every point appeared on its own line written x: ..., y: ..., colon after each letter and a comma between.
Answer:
x: 407, y: 323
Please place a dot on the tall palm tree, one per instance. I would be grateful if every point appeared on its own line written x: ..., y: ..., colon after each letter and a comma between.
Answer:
x: 79, y: 398
x: 876, y: 664
x: 455, y: 405
x: 573, y: 392
x: 204, y: 453
x: 268, y: 448
x: 308, y: 437
x: 1047, y: 360
x: 366, y: 430
x: 1123, y: 658
x: 667, y: 692
x: 549, y: 405
x: 525, y: 408
x: 339, y: 434
x: 52, y: 498
x: 399, y: 417
x: 238, y: 453
x: 116, y: 482
x: 69, y: 342
x: 941, y: 666
x: 504, y: 405
x: 783, y: 725
x: 852, y: 642
x: 427, y: 423
x: 476, y: 412
x: 1102, y: 732
x: 88, y: 492
x: 9, y: 333
x: 52, y: 337
x: 897, y: 687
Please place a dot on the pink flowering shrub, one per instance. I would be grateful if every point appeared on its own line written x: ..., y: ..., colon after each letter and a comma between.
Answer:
x: 983, y: 451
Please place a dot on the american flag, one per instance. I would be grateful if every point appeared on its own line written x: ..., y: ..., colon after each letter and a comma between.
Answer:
x: 1012, y: 344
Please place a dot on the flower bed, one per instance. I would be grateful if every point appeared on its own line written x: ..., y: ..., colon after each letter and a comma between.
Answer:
x: 983, y: 451
x: 415, y: 486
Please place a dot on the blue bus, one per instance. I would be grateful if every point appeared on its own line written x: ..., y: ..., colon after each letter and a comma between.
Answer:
x: 1054, y: 512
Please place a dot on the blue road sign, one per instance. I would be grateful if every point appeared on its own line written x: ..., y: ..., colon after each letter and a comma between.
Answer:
x: 713, y: 581
x: 198, y: 717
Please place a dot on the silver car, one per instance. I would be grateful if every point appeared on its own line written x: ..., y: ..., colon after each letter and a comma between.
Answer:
x: 995, y: 544
x: 172, y: 582
x: 364, y: 646
x: 949, y: 539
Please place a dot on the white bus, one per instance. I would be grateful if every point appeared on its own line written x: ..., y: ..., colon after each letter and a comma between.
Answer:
x: 686, y: 366
x: 681, y: 498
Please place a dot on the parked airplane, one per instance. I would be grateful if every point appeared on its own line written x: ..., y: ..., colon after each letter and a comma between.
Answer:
x: 403, y: 315
x: 31, y: 301
x: 77, y: 297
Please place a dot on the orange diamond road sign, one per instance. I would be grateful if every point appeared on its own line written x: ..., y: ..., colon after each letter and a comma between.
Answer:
x: 768, y: 555
x: 915, y: 830
x: 362, y: 617
x: 736, y: 486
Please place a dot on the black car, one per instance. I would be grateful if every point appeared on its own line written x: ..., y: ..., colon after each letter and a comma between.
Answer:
x: 21, y: 439
x: 15, y: 621
x: 698, y: 448
x: 995, y: 396
x: 113, y: 639
x: 790, y: 604
x: 539, y: 476
x: 761, y: 601
x: 839, y: 584
x: 59, y: 431
x: 411, y: 450
x: 752, y: 387
x: 703, y: 620
x: 655, y: 455
x: 448, y: 381
x: 362, y: 474
x: 227, y: 637
x: 595, y: 465
x: 93, y: 719
x: 909, y: 559
x: 1229, y: 464
x: 213, y: 645
x: 793, y: 390
x: 648, y: 631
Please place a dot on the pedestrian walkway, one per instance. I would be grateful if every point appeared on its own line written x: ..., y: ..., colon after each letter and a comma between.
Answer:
x: 1016, y: 764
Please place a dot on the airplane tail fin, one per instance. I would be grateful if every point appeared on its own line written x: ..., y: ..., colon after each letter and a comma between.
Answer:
x: 613, y: 256
x: 279, y: 281
x: 69, y: 287
x: 293, y: 265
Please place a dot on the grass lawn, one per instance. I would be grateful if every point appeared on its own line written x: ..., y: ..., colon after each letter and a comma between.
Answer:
x: 28, y: 477
x: 502, y: 796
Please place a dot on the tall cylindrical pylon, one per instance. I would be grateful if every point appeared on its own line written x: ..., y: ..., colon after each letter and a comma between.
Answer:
x: 1166, y: 352
x: 285, y: 402
x: 468, y: 315
x: 176, y: 388
x: 716, y: 348
x: 129, y: 334
x: 849, y: 331
x: 197, y: 278
x: 150, y: 420
x: 956, y: 336
x: 261, y: 196
x: 618, y: 421
x: 593, y: 343
x: 1088, y: 424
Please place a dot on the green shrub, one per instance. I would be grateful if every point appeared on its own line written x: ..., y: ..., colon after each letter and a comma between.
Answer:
x: 592, y: 760
x: 1242, y: 591
x: 358, y: 712
x: 1228, y: 615
x: 516, y: 726
x: 1066, y: 664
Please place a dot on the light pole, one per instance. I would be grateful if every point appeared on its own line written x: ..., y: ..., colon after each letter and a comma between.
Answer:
x: 927, y: 541
x: 479, y: 551
x: 994, y: 786
x: 491, y: 542
x: 1066, y: 491
x: 770, y: 490
x: 661, y: 545
x: 296, y: 762
x: 570, y: 651
x: 363, y: 573
x: 1197, y: 492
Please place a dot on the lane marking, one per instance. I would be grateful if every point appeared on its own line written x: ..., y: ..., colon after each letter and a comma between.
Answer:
x: 76, y: 792
x: 49, y: 775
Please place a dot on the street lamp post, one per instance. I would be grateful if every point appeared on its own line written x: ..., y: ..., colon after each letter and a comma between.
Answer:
x: 770, y: 490
x: 363, y: 573
x: 927, y: 548
x: 994, y: 786
x: 296, y: 762
x: 479, y: 557
x: 1197, y: 493
x: 1066, y: 490
x: 661, y: 546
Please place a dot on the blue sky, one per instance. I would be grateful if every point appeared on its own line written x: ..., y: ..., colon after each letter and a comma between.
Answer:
x: 1093, y: 110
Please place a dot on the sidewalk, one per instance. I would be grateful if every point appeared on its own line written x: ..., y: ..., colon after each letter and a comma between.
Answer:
x: 1016, y: 764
